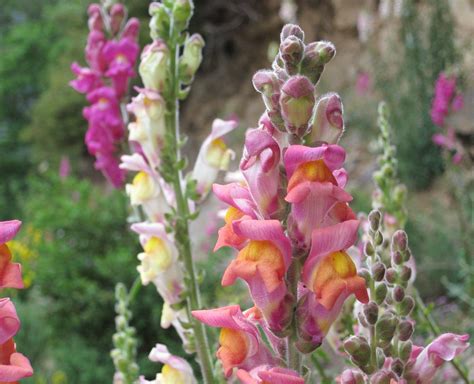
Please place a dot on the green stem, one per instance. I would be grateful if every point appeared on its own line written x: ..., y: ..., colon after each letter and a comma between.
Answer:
x: 182, y: 228
x: 322, y: 373
x: 437, y: 331
x: 137, y: 284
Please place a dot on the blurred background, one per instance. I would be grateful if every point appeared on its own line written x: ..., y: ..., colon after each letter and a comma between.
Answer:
x: 75, y: 244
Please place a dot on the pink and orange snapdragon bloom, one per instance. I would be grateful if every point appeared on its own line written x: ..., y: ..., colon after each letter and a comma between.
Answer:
x: 111, y: 53
x: 289, y: 221
x: 13, y: 365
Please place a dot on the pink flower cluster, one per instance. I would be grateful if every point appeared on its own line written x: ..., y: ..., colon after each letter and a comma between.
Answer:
x: 13, y: 365
x: 289, y: 221
x: 447, y: 99
x: 111, y: 53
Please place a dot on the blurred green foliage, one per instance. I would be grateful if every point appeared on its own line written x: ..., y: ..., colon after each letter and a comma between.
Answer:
x: 85, y: 249
x: 427, y: 48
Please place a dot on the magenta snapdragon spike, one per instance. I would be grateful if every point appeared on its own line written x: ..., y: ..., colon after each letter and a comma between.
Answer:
x: 13, y: 365
x: 111, y: 53
x: 447, y: 99
x: 289, y: 220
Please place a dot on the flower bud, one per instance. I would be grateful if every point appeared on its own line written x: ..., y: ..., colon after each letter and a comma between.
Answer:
x: 328, y: 122
x: 369, y: 248
x: 371, y: 312
x: 359, y: 350
x: 405, y: 330
x: 399, y: 241
x: 191, y: 58
x: 380, y: 355
x: 291, y: 30
x: 316, y: 55
x: 374, y: 220
x: 378, y: 238
x: 397, y: 367
x: 365, y: 274
x: 407, y: 254
x: 407, y: 305
x: 398, y: 294
x: 378, y: 271
x: 383, y: 377
x: 399, y: 193
x: 131, y: 29
x: 182, y: 11
x: 386, y: 326
x: 266, y: 82
x: 159, y: 22
x: 405, y: 273
x: 154, y: 65
x: 404, y: 350
x: 351, y: 376
x: 380, y: 293
x: 95, y: 21
x: 391, y: 275
x: 291, y: 52
x: 117, y: 14
x: 397, y: 258
x: 296, y: 103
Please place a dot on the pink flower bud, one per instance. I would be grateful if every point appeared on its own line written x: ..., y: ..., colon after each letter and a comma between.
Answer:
x: 95, y: 21
x: 328, y: 122
x: 297, y: 103
x: 117, y: 14
x: 291, y: 52
x: 350, y: 376
x: 291, y: 30
x: 131, y: 29
x: 266, y: 82
x: 316, y: 56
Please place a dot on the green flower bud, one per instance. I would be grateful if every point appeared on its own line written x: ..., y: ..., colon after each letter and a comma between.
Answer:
x: 378, y: 238
x: 405, y: 273
x: 404, y: 350
x: 380, y: 293
x: 374, y: 219
x: 191, y: 58
x: 391, y: 275
x: 182, y: 12
x: 365, y: 274
x: 407, y: 305
x: 159, y: 22
x: 405, y: 330
x: 378, y: 271
x: 371, y: 312
x: 380, y: 358
x: 398, y: 294
x: 369, y: 249
x: 386, y: 326
x: 316, y: 56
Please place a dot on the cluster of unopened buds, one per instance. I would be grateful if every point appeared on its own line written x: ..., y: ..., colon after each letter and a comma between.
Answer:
x: 290, y: 222
x: 382, y: 348
x: 447, y: 99
x: 111, y: 54
x: 13, y: 365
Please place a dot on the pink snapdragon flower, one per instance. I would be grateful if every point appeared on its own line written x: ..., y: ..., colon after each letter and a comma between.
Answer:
x: 240, y: 343
x: 259, y: 166
x: 105, y: 82
x: 425, y: 362
x: 13, y: 365
x: 449, y: 143
x: 268, y: 374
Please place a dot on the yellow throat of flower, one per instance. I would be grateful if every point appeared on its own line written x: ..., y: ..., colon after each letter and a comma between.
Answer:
x: 315, y: 171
